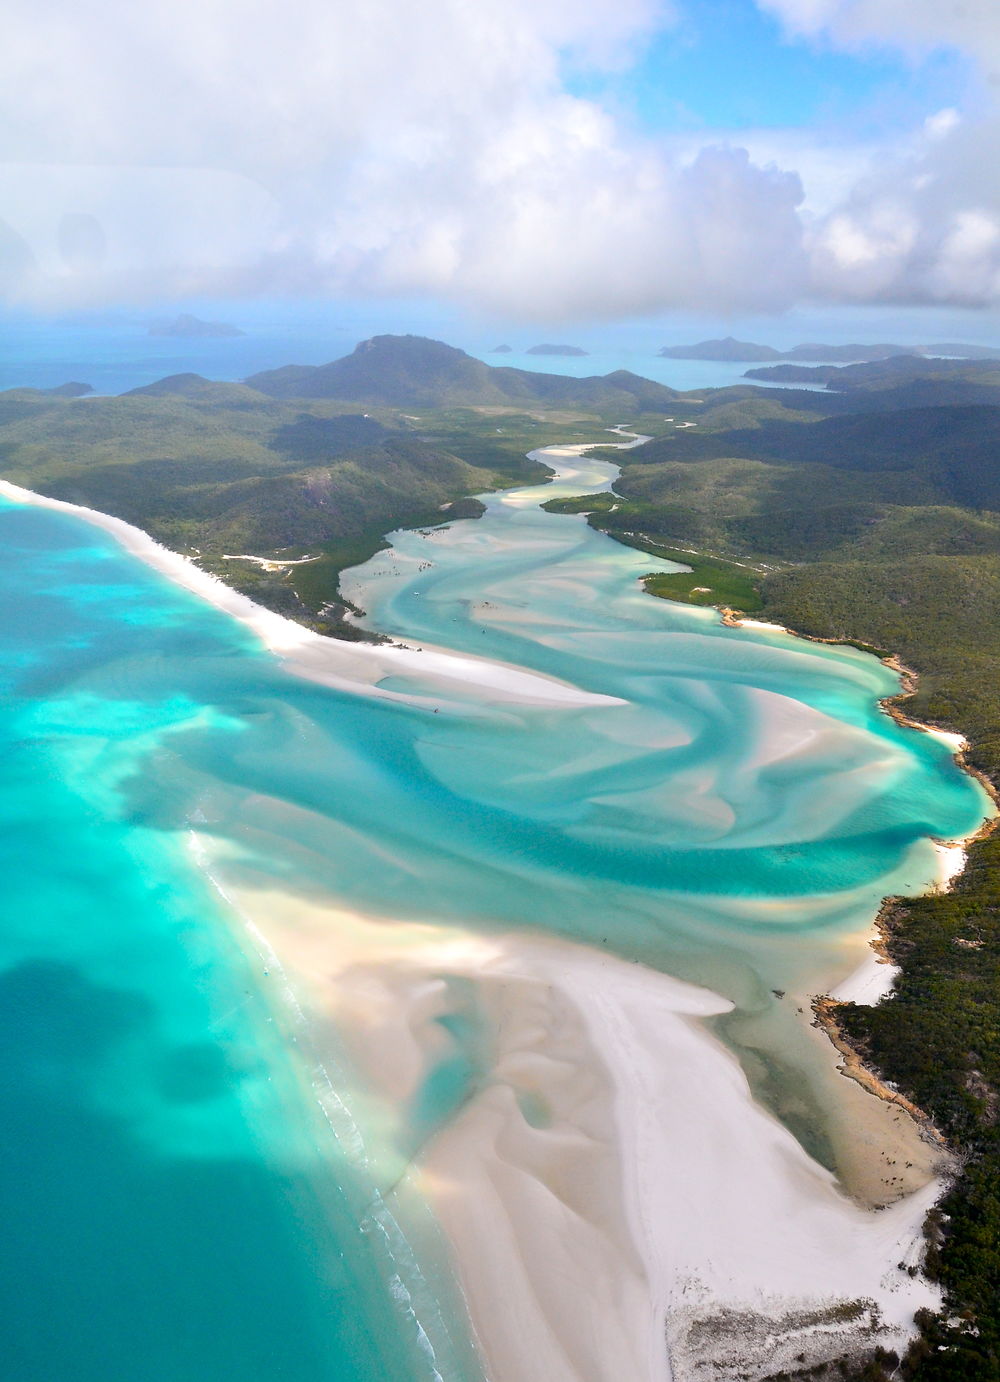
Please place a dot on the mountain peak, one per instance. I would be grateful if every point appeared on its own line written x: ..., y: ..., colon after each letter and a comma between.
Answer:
x: 417, y: 372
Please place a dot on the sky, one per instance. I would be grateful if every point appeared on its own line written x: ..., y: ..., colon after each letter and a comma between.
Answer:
x: 530, y: 161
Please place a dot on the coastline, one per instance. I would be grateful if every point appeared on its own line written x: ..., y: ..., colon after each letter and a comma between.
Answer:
x: 854, y: 1067
x: 532, y: 1189
x: 341, y: 665
x: 874, y: 979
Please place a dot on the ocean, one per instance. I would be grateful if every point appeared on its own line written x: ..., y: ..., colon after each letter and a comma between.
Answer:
x: 117, y: 352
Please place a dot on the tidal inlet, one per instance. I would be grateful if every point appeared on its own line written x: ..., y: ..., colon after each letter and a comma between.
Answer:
x: 441, y: 1010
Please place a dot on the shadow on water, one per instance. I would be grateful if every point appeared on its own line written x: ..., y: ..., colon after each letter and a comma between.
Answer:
x: 122, y: 1262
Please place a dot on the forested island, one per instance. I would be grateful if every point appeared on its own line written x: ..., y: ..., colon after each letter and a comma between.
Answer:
x: 186, y: 325
x: 868, y: 512
x: 547, y: 348
x: 728, y: 348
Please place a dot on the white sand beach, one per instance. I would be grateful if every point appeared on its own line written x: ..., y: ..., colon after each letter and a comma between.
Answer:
x: 341, y: 665
x: 874, y: 977
x: 869, y: 983
x: 618, y: 1203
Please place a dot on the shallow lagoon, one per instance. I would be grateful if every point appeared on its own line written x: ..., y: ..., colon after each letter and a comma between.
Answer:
x: 179, y: 1194
x: 749, y: 786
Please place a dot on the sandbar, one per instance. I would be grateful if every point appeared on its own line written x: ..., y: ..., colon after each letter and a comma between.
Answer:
x: 618, y: 1203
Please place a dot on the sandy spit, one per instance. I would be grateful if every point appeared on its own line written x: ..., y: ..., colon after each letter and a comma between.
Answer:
x: 345, y: 666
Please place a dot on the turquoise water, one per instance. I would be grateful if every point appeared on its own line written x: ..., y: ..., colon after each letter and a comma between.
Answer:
x: 178, y: 1203
x: 173, y: 1203
x: 750, y: 786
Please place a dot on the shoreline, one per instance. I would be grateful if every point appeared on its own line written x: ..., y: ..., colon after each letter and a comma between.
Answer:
x: 338, y: 663
x: 598, y: 998
x: 853, y: 1066
x: 874, y: 979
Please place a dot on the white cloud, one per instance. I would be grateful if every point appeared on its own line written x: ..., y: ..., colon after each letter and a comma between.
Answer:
x: 915, y: 26
x: 942, y: 123
x: 923, y: 226
x: 948, y: 201
x: 925, y: 229
x: 378, y: 147
x: 387, y: 147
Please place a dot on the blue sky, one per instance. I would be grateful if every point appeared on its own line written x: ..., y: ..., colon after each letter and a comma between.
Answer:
x: 727, y: 66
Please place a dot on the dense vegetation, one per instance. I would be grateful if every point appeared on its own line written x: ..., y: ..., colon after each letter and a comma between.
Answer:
x: 217, y: 471
x: 224, y: 471
x: 936, y: 381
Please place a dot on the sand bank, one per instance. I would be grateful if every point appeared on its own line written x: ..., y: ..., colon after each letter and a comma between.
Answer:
x: 356, y: 667
x: 872, y: 981
x: 618, y: 1203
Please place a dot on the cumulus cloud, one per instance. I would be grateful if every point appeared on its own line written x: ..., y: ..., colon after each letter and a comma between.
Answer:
x: 916, y: 26
x: 382, y: 147
x: 183, y: 146
x: 926, y: 228
x: 924, y: 225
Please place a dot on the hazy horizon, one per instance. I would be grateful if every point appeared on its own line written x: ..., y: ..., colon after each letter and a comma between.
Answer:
x: 113, y: 350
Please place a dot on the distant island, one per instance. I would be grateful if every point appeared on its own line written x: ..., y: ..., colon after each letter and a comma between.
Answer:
x: 549, y: 349
x: 963, y: 352
x: 414, y: 372
x: 188, y: 325
x: 501, y: 350
x: 728, y: 348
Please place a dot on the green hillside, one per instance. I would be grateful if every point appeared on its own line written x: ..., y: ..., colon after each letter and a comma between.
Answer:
x: 414, y: 372
x: 221, y: 471
x: 949, y: 455
x: 963, y: 377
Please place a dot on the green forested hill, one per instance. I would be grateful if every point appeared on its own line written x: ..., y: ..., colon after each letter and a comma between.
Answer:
x: 948, y: 453
x: 222, y: 470
x: 414, y: 372
x: 940, y: 381
x: 218, y: 469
